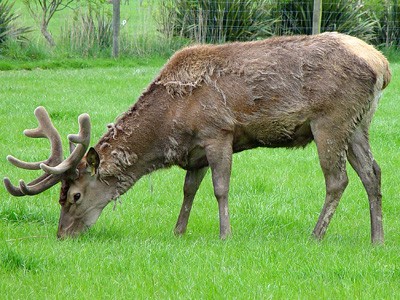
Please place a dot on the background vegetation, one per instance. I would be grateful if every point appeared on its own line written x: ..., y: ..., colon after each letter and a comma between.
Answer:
x: 82, y: 29
x: 217, y: 21
x: 220, y: 20
x: 346, y: 16
x: 9, y: 29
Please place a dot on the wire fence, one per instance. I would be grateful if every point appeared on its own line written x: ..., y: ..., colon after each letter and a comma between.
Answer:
x: 376, y: 21
x: 163, y: 26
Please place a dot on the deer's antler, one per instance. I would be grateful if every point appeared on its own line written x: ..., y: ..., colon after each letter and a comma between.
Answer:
x: 54, y: 167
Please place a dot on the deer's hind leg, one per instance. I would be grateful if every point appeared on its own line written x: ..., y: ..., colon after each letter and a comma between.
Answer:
x: 331, y: 146
x: 219, y: 155
x: 362, y: 161
x: 192, y: 182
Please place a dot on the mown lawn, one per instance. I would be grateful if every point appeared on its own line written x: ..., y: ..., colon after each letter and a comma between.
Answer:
x: 131, y: 253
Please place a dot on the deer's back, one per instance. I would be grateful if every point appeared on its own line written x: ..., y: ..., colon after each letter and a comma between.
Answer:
x: 268, y: 92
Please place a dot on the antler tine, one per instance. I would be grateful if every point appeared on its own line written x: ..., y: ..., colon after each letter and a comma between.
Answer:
x: 33, y: 188
x: 23, y: 164
x: 47, y: 182
x: 44, y: 130
x: 83, y: 141
x: 12, y: 189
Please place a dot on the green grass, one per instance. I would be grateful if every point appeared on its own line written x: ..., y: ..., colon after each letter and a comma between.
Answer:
x: 79, y: 63
x: 131, y: 253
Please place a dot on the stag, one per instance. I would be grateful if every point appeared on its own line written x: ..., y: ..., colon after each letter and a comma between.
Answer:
x: 209, y: 102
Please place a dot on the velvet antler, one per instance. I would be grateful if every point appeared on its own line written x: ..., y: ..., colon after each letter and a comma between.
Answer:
x: 54, y: 167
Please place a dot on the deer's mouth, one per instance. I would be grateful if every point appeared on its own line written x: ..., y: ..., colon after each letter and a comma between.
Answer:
x: 71, y: 228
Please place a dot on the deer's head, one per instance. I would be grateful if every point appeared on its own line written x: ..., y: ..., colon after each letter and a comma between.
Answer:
x: 83, y: 195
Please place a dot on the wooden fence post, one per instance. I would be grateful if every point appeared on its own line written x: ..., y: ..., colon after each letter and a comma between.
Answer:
x: 317, y: 16
x: 116, y: 20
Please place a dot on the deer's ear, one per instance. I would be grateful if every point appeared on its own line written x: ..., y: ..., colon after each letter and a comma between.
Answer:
x: 93, y: 160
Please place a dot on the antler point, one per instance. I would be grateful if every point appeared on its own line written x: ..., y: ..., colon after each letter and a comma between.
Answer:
x: 39, y: 108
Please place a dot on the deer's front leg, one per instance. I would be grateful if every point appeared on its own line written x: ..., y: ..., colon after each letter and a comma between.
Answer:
x: 219, y: 156
x: 192, y: 182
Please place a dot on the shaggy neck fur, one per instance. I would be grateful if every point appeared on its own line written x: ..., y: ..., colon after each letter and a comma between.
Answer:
x: 131, y: 147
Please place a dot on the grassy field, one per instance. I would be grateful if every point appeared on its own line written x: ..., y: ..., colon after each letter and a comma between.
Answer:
x: 131, y: 253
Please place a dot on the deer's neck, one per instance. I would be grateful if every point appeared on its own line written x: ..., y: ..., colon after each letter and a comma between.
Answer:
x: 135, y: 145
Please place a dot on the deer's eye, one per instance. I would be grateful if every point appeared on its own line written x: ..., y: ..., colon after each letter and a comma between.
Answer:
x: 77, y: 196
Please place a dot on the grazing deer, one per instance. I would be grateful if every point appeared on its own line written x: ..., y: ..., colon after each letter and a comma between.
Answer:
x: 209, y: 102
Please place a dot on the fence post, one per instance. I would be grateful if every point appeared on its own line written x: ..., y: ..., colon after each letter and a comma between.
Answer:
x: 116, y: 18
x: 317, y: 16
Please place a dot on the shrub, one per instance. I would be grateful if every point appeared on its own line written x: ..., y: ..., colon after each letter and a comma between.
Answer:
x: 216, y: 21
x: 88, y: 33
x: 389, y: 20
x: 346, y: 16
x: 219, y: 21
x: 8, y: 26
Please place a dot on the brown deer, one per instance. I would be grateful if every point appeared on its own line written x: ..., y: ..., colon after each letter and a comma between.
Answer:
x: 209, y: 102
